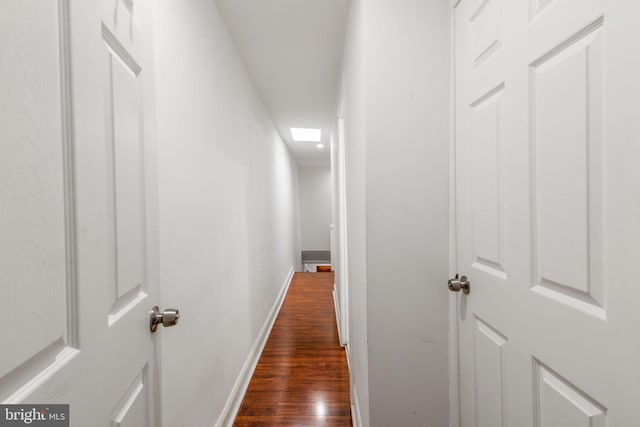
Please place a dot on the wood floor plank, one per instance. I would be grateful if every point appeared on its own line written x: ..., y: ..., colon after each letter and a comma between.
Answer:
x: 302, y: 377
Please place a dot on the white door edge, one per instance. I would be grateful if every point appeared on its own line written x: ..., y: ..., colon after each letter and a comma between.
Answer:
x: 454, y: 371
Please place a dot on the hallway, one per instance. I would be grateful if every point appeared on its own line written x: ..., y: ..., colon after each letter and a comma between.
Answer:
x: 468, y: 165
x: 302, y: 377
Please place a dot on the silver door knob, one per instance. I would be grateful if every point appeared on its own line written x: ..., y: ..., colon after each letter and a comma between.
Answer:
x: 166, y: 318
x: 460, y: 284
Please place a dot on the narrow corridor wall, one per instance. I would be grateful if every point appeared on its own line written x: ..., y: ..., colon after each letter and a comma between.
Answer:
x: 229, y: 223
x: 408, y: 211
x: 315, y: 207
x: 396, y: 95
x: 353, y: 98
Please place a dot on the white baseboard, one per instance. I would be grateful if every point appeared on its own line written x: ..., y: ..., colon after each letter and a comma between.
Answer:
x: 344, y: 344
x: 228, y: 415
x: 356, y: 419
x: 346, y: 350
x: 336, y: 306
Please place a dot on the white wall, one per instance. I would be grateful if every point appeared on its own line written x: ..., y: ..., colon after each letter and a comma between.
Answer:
x: 314, y: 184
x: 229, y: 225
x: 353, y: 101
x: 396, y: 117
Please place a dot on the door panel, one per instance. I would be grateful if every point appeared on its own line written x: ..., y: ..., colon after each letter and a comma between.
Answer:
x: 567, y: 149
x: 485, y: 167
x: 124, y: 121
x: 547, y: 226
x: 133, y: 408
x: 558, y: 401
x: 77, y: 209
x: 490, y: 367
x: 486, y: 27
x: 36, y: 280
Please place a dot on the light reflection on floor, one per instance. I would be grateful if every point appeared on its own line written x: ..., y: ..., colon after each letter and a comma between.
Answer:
x: 321, y: 409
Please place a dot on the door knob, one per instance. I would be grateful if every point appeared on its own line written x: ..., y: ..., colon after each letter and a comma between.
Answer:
x: 460, y: 284
x: 166, y: 318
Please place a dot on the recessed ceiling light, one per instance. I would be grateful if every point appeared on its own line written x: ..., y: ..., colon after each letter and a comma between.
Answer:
x: 320, y: 145
x: 306, y: 135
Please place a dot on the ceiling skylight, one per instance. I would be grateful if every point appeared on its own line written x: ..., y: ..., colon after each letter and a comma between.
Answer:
x: 306, y: 135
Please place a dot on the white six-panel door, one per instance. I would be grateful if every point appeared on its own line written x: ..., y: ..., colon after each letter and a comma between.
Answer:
x: 78, y: 268
x: 548, y: 211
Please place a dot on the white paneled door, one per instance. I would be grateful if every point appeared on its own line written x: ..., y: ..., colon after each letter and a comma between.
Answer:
x: 78, y: 267
x: 548, y: 212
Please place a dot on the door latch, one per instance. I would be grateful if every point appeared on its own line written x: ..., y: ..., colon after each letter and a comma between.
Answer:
x: 460, y: 284
x: 166, y: 318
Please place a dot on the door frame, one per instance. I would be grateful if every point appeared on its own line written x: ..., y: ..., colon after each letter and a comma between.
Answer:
x: 342, y: 238
x: 341, y: 220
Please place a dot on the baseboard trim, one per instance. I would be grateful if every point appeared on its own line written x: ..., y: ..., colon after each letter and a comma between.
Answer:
x: 231, y: 408
x: 344, y: 344
x: 348, y: 353
x: 336, y: 306
x: 356, y: 419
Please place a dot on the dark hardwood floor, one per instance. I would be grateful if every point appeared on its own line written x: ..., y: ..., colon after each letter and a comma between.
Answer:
x: 302, y: 377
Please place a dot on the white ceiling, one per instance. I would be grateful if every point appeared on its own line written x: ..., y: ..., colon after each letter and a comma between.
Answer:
x: 292, y: 50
